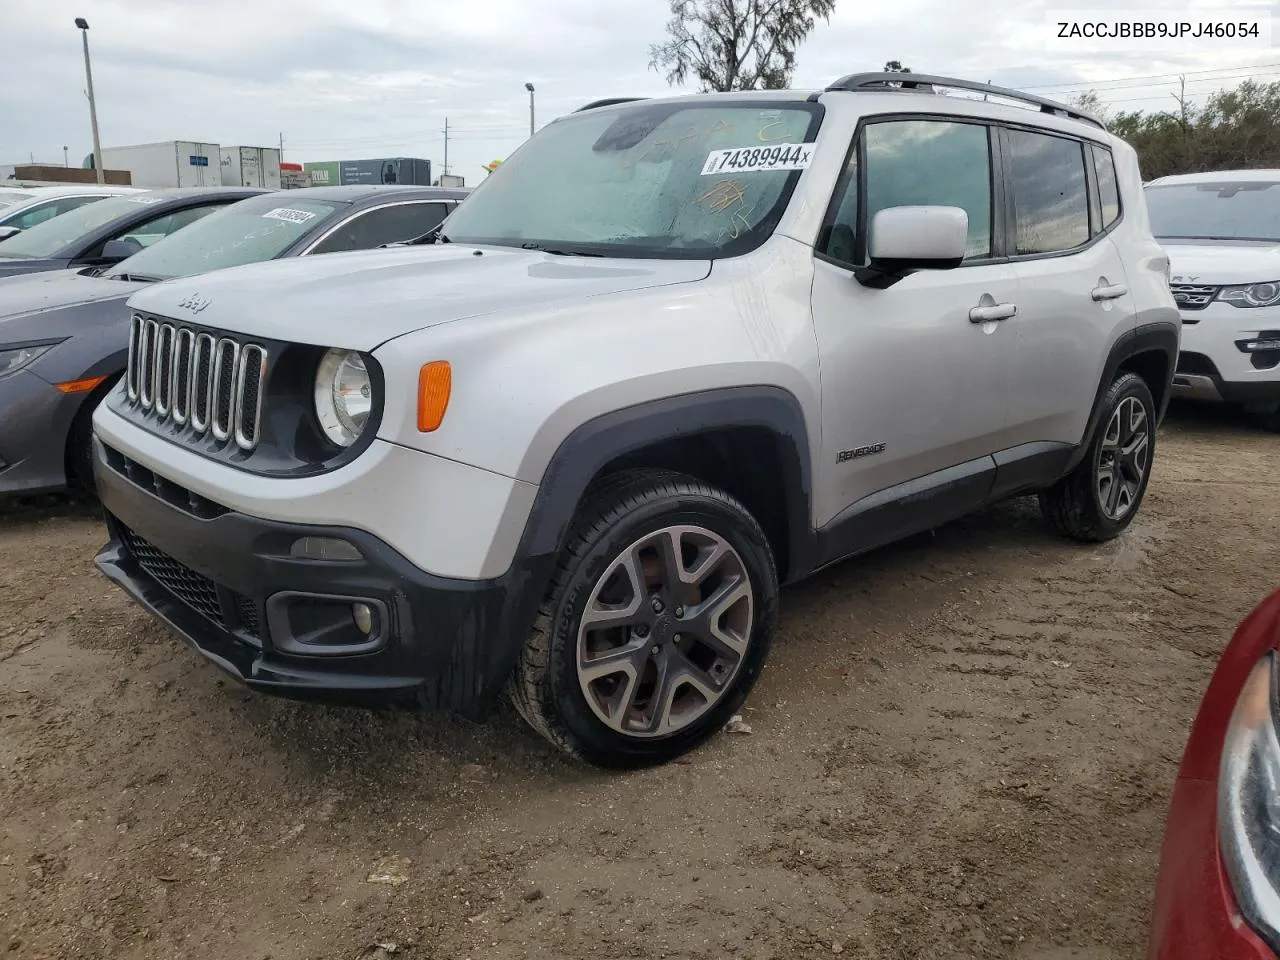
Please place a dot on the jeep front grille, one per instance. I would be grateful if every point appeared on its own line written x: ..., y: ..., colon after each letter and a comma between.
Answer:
x: 196, y: 381
x: 1193, y: 296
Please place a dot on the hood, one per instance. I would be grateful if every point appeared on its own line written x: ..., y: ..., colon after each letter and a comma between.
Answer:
x: 42, y: 306
x: 360, y: 300
x: 1230, y: 261
x: 51, y: 290
x: 19, y: 266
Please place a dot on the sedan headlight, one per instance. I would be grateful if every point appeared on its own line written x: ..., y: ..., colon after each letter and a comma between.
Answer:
x: 14, y: 359
x: 1249, y: 803
x: 344, y: 396
x: 1252, y: 294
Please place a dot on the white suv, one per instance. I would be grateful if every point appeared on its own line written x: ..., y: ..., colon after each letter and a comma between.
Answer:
x: 1222, y: 234
x: 671, y: 354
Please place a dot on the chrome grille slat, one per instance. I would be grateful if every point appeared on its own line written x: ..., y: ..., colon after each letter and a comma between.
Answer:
x: 202, y: 382
x: 196, y: 381
x: 253, y: 365
x: 225, y: 358
x: 164, y: 370
x: 135, y: 344
x: 180, y: 387
x: 147, y: 391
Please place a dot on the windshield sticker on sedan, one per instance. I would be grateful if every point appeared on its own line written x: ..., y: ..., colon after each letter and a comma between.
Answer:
x: 292, y: 216
x: 783, y: 156
x: 144, y: 199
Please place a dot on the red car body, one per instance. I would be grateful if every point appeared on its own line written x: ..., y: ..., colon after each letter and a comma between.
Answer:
x: 1195, y: 916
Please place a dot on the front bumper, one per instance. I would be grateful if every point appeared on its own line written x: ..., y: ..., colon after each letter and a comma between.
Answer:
x: 229, y: 584
x: 1213, y: 364
x: 35, y: 418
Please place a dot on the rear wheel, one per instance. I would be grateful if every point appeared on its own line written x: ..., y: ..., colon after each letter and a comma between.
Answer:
x: 656, y: 626
x: 1101, y: 496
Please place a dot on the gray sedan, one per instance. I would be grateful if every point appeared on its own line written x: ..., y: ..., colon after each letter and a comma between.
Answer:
x: 64, y: 335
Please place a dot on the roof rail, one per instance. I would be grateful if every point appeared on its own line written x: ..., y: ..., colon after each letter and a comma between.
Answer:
x: 608, y: 102
x: 924, y: 83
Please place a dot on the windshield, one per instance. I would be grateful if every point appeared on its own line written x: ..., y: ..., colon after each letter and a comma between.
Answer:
x: 1227, y: 210
x: 250, y: 231
x: 662, y: 180
x: 46, y: 239
x: 9, y: 197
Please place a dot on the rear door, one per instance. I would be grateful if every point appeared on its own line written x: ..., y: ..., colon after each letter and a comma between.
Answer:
x: 1073, y: 293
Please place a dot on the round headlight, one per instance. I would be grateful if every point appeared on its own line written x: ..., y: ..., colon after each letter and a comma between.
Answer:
x: 344, y: 396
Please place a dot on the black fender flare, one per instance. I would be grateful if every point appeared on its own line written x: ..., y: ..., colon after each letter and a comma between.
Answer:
x: 594, y: 444
x: 1160, y: 337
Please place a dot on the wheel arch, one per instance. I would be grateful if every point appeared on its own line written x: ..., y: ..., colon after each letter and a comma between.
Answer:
x: 1151, y: 351
x: 751, y: 441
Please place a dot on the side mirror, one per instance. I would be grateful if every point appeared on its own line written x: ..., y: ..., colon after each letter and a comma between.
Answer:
x: 7, y: 232
x: 113, y: 251
x: 906, y: 239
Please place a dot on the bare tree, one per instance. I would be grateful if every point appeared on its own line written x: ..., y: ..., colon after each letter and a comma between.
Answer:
x: 736, y: 44
x: 895, y: 66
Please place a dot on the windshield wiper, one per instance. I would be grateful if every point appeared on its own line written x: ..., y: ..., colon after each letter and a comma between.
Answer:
x: 557, y: 252
x: 434, y: 235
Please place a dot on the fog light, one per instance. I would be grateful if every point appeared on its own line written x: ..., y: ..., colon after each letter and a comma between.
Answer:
x: 362, y: 614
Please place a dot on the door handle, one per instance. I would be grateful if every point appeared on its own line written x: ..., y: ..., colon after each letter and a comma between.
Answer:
x: 993, y: 311
x: 1108, y: 291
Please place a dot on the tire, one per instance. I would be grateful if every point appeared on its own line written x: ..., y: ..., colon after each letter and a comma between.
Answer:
x: 1084, y: 505
x: 80, y: 440
x: 704, y: 666
x: 1268, y: 421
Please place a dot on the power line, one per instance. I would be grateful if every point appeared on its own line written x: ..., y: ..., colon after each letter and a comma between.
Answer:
x: 1081, y: 85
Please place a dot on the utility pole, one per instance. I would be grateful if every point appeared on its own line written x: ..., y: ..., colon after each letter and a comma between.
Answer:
x: 446, y: 145
x: 529, y: 87
x: 281, y: 146
x: 83, y: 24
x: 66, y: 160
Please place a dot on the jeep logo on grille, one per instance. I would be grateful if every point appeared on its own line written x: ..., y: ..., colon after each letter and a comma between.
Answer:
x: 195, y: 303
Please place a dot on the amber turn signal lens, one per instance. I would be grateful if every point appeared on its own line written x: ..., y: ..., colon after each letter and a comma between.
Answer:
x: 435, y: 380
x: 81, y: 386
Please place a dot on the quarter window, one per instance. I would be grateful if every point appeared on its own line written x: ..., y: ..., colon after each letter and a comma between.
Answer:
x: 1050, y: 195
x: 1105, y: 165
x: 918, y: 162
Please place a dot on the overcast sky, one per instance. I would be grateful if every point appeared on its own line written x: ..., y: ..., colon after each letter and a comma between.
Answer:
x: 348, y: 79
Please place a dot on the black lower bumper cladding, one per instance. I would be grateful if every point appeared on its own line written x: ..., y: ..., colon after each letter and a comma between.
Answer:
x: 234, y: 587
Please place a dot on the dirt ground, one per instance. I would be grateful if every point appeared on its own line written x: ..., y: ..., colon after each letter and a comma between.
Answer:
x: 963, y: 747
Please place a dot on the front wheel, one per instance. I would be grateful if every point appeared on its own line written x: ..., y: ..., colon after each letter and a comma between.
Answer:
x: 1100, y: 497
x: 656, y: 625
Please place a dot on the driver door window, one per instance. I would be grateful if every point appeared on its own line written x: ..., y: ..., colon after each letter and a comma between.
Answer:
x: 391, y: 224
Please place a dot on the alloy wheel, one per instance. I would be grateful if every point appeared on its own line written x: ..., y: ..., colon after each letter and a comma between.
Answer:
x: 664, y: 631
x: 1123, y: 458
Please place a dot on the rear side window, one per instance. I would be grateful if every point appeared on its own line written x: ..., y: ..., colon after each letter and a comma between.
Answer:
x: 917, y: 162
x: 1108, y: 189
x: 1050, y: 194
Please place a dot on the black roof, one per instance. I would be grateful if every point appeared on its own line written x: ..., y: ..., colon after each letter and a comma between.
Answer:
x: 178, y: 193
x: 355, y: 193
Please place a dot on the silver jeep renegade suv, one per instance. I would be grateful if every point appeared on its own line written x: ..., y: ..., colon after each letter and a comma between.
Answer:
x: 671, y: 354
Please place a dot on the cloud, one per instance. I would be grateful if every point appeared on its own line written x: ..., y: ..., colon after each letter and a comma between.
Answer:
x: 345, y: 80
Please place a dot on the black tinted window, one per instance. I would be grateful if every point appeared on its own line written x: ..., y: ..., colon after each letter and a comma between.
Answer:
x: 1049, y: 192
x: 1105, y: 164
x: 919, y: 162
x: 384, y: 225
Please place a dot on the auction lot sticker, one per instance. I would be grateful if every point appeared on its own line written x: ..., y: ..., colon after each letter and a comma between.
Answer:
x: 779, y: 156
x: 293, y: 216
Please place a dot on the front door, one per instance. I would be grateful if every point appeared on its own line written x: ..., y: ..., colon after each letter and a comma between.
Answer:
x: 914, y: 381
